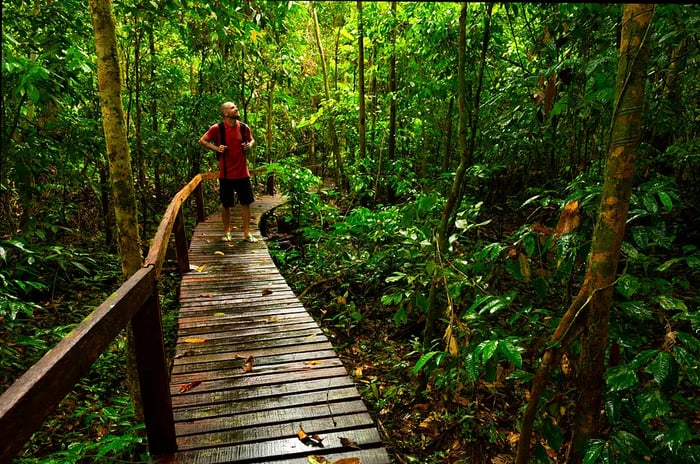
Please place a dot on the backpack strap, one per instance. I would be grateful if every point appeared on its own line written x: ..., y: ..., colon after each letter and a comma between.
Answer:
x: 244, y: 128
x: 222, y: 133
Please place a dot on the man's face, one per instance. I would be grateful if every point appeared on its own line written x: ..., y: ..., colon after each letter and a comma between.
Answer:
x: 229, y: 110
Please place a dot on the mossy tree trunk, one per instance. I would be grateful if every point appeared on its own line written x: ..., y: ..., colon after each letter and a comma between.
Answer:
x: 113, y: 122
x: 588, y: 315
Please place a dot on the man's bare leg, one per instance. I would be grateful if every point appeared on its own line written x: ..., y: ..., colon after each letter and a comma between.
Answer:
x: 226, y: 218
x: 245, y: 216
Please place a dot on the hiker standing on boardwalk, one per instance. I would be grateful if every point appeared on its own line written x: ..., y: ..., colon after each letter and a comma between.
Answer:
x: 230, y: 148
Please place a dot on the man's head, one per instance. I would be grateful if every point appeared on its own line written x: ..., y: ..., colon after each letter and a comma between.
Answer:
x: 229, y: 110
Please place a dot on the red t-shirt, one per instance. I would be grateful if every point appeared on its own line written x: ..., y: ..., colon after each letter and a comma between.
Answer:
x: 232, y: 163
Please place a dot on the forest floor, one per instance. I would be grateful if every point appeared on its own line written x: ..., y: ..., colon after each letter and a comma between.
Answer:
x: 474, y: 423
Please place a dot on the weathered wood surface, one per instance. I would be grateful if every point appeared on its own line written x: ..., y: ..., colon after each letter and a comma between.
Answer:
x: 237, y: 305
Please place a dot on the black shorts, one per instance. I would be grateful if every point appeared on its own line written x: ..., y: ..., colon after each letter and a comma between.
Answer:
x: 241, y: 186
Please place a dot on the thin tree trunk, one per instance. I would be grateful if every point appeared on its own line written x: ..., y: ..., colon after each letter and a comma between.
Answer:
x: 362, y: 129
x: 109, y: 84
x: 588, y: 315
x: 454, y: 198
x: 626, y: 134
x: 340, y: 171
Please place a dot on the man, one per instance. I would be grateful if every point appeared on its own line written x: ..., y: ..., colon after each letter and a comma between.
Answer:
x: 233, y: 167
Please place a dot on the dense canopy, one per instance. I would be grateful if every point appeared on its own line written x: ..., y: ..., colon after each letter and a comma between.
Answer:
x: 462, y: 178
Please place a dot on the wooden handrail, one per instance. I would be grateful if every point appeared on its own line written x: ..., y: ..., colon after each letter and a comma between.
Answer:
x: 34, y: 396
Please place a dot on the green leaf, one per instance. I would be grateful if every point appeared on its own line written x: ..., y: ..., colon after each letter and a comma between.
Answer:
x: 400, y: 317
x: 653, y: 404
x: 660, y: 367
x: 669, y: 303
x: 689, y: 362
x: 595, y: 447
x: 620, y: 378
x: 691, y: 342
x: 666, y: 201
x: 627, y: 285
x: 424, y: 359
x: 650, y: 204
x: 678, y: 435
x: 492, y: 303
x: 636, y: 310
x: 511, y: 353
x: 395, y: 277
x: 488, y: 349
x: 629, y: 441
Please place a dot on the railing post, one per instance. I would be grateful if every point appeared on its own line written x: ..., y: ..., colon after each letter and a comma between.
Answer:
x: 183, y: 259
x: 153, y: 376
x: 199, y: 199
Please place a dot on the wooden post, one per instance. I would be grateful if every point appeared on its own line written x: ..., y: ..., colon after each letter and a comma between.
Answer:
x: 199, y: 198
x: 183, y: 259
x: 153, y: 377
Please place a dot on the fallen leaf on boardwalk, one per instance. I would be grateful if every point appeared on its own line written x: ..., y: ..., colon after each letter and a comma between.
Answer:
x: 201, y: 268
x: 248, y: 366
x: 205, y: 295
x: 301, y: 434
x: 189, y: 386
x: 186, y: 353
x: 266, y: 291
x: 305, y: 438
x: 324, y: 460
x: 349, y: 443
x: 310, y: 336
x: 219, y: 314
x: 313, y: 363
x: 195, y: 340
x: 317, y: 460
x: 219, y: 253
x: 271, y: 319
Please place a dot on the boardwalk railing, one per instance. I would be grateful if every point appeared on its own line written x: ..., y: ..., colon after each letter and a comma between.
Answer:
x: 33, y: 397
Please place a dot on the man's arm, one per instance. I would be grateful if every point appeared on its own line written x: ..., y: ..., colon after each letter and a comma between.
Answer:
x: 206, y: 142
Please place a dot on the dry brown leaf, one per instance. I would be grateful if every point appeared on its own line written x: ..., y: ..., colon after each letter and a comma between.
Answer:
x: 271, y: 319
x: 349, y: 443
x: 569, y: 219
x: 348, y: 461
x: 301, y: 434
x: 205, y: 295
x: 248, y: 366
x: 266, y: 292
x: 195, y: 340
x: 189, y: 386
x: 565, y: 365
x: 313, y: 363
x: 524, y: 267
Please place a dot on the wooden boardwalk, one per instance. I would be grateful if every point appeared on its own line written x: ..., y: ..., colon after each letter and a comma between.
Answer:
x: 235, y: 305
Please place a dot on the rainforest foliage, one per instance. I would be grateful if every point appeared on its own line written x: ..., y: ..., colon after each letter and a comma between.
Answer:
x: 444, y: 167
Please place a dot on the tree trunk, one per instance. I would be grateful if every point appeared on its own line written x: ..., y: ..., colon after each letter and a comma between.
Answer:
x: 609, y: 233
x: 339, y: 169
x: 109, y: 84
x: 589, y: 313
x: 362, y: 129
x: 455, y: 196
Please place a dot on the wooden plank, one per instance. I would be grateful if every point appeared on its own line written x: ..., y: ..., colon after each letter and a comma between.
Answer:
x: 290, y: 428
x: 270, y: 450
x: 216, y: 378
x: 240, y: 306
